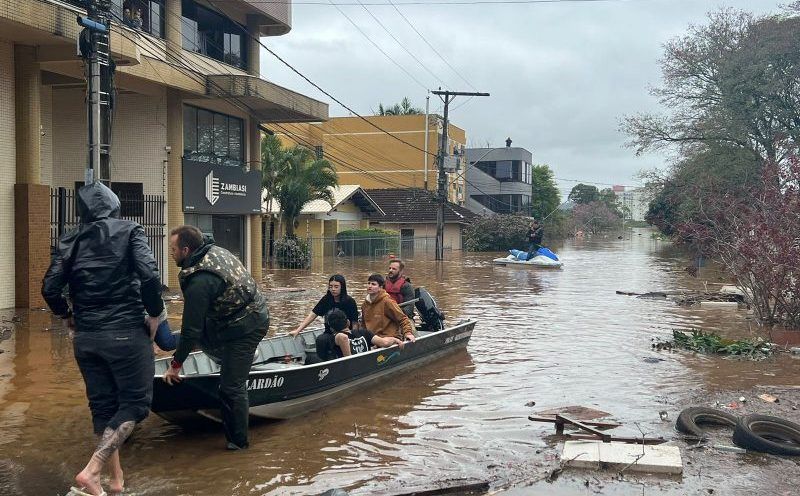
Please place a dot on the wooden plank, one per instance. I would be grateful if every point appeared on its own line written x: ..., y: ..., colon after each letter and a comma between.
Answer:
x: 597, y: 432
x: 576, y: 412
x: 593, y: 423
x: 620, y: 439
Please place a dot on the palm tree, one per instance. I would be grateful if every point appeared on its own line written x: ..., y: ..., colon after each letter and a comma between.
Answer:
x: 302, y: 179
x: 273, y: 162
x: 402, y: 108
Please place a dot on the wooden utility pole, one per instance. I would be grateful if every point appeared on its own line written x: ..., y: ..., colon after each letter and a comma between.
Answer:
x: 447, y: 97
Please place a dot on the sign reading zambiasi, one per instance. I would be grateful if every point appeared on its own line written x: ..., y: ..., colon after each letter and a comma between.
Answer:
x: 215, y: 189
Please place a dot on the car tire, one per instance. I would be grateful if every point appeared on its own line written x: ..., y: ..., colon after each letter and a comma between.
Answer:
x: 767, y: 434
x: 690, y: 420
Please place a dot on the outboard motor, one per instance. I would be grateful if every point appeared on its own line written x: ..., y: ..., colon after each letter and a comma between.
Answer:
x: 432, y: 317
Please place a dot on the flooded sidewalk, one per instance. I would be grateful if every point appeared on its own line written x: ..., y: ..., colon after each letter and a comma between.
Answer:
x: 544, y: 339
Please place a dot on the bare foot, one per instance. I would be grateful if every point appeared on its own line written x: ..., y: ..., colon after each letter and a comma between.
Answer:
x: 89, y: 482
x: 116, y: 485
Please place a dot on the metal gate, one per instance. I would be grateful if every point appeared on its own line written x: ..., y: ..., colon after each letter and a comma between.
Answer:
x: 146, y: 210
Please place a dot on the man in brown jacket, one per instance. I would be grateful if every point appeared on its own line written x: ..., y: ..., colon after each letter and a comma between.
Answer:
x: 381, y: 315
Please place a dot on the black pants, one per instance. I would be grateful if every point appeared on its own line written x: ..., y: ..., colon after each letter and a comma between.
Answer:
x: 118, y: 370
x: 236, y: 358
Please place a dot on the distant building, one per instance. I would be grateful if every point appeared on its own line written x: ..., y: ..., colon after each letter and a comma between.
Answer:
x: 499, y: 180
x: 384, y: 151
x: 634, y: 202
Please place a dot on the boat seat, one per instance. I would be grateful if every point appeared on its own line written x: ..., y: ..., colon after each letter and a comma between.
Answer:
x: 278, y: 348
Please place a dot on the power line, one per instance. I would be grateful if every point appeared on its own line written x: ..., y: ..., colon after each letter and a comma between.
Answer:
x: 402, y: 45
x: 430, y: 45
x: 378, y: 47
x: 315, y: 85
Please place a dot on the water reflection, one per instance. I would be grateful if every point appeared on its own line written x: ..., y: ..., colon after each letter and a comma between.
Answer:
x: 554, y: 337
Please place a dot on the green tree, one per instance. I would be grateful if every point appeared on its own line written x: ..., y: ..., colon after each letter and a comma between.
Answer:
x: 403, y: 108
x: 730, y: 83
x: 545, y: 197
x: 274, y: 160
x: 584, y: 193
x: 301, y: 179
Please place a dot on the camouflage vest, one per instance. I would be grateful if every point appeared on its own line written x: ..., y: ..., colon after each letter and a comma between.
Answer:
x: 241, y: 292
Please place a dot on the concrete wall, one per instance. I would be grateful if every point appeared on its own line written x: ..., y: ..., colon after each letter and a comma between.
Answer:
x: 425, y: 234
x: 139, y: 138
x: 8, y: 174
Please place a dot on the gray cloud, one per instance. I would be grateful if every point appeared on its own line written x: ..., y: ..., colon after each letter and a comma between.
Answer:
x: 561, y: 75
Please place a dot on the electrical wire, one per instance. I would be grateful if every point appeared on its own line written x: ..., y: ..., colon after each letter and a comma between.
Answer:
x: 394, y: 5
x: 379, y: 48
x: 402, y: 45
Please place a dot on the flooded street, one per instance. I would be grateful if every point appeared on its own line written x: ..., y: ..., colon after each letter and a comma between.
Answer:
x: 555, y: 338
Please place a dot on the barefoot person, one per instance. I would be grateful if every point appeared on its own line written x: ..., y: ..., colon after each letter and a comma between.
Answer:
x: 113, y: 280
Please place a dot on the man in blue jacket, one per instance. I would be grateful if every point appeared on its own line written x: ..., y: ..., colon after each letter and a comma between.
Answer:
x: 113, y: 280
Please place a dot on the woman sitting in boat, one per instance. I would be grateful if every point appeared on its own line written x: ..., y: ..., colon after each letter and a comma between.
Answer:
x: 350, y: 341
x: 335, y: 297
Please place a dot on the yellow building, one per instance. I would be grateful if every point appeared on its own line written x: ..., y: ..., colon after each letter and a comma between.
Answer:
x: 189, y: 101
x: 364, y: 154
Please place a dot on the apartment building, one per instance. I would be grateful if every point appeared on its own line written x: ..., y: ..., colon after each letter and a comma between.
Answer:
x: 499, y: 180
x: 188, y: 104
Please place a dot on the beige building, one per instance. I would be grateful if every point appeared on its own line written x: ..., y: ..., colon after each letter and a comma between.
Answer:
x: 188, y: 105
x: 320, y: 221
x: 384, y: 151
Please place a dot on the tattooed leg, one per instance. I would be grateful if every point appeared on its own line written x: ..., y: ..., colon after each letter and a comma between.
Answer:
x: 110, y: 442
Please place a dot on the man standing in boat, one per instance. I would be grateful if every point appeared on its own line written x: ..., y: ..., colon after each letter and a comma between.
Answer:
x: 535, y: 234
x: 226, y: 315
x: 399, y: 286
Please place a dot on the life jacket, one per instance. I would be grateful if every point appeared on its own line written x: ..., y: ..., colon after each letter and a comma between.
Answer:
x: 241, y: 292
x: 393, y: 288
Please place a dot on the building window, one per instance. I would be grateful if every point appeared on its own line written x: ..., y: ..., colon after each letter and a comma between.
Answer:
x: 212, y: 137
x: 207, y: 32
x: 505, y: 204
x: 319, y: 152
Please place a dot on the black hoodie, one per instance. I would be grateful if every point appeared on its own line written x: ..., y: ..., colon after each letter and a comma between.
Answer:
x: 109, y: 267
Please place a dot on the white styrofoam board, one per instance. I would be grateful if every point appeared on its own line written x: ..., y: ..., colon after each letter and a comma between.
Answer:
x: 636, y: 457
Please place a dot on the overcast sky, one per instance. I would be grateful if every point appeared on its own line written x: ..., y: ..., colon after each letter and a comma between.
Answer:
x: 561, y: 75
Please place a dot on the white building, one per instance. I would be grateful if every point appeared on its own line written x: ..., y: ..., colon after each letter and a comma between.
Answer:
x: 634, y: 202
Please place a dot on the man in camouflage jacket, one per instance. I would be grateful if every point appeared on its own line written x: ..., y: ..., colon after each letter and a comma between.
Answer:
x: 225, y: 314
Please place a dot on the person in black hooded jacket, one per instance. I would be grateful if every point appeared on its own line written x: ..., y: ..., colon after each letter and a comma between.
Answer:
x: 113, y: 280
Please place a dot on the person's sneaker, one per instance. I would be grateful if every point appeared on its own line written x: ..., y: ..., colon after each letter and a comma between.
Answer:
x: 234, y: 447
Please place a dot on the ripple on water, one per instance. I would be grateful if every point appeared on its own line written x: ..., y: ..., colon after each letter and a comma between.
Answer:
x: 557, y: 338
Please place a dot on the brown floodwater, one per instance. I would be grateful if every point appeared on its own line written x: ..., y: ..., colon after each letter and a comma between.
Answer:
x: 555, y: 338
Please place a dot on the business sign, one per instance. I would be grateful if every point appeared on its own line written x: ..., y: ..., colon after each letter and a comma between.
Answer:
x: 215, y: 189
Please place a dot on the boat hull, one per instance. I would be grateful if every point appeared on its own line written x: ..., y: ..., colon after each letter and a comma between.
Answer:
x: 294, y: 390
x: 539, y: 262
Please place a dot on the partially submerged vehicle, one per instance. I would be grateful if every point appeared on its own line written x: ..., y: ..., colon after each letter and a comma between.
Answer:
x: 287, y: 379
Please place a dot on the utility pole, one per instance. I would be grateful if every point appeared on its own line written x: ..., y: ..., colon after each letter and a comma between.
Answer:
x: 447, y: 97
x: 94, y: 48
